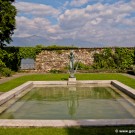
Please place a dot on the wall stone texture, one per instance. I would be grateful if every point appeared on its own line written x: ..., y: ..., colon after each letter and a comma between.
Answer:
x: 59, y: 59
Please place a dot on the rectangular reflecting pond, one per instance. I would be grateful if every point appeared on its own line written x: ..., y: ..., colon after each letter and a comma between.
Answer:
x: 72, y: 102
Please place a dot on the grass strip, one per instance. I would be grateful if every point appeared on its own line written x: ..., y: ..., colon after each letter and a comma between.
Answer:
x: 53, y: 77
x: 68, y: 131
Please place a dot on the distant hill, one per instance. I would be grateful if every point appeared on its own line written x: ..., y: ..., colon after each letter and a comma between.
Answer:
x: 34, y: 40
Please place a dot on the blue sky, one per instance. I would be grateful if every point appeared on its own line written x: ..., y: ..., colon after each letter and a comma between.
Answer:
x: 86, y: 23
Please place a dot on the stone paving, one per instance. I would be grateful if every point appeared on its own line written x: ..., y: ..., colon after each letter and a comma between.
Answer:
x: 66, y: 123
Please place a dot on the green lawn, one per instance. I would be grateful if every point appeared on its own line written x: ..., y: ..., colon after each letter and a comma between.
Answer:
x: 49, y: 77
x: 66, y: 131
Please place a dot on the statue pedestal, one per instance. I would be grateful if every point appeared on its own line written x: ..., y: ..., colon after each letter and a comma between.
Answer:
x: 71, y: 81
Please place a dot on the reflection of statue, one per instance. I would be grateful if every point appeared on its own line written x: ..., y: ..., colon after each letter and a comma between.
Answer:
x: 71, y: 64
x: 73, y: 101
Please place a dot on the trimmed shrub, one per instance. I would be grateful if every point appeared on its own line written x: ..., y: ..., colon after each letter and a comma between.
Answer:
x: 6, y: 72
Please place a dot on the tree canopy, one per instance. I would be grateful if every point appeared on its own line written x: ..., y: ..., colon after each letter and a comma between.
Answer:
x: 7, y: 21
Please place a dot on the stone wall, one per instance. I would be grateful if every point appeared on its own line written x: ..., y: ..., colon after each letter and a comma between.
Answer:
x: 59, y: 59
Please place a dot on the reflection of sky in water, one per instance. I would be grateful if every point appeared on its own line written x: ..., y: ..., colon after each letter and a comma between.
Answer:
x: 71, y: 103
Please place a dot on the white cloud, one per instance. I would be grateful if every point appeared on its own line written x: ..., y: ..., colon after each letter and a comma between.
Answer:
x: 35, y: 26
x: 36, y: 9
x: 111, y: 14
x: 78, y: 3
x: 73, y: 19
x: 98, y: 23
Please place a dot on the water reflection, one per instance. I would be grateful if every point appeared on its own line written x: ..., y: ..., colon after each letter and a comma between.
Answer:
x: 73, y: 101
x: 70, y: 103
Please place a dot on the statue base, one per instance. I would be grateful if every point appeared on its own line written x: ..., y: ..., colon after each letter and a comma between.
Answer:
x: 71, y: 81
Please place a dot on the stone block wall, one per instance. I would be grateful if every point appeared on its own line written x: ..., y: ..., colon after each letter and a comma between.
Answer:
x: 59, y: 59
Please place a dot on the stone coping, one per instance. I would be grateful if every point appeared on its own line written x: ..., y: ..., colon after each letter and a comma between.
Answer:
x: 14, y: 92
x: 64, y: 123
x: 124, y: 88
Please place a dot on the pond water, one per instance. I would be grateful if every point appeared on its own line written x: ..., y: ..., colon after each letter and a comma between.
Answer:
x: 71, y: 103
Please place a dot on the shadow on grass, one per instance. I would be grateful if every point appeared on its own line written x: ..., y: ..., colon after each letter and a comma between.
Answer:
x: 100, y: 130
x: 64, y: 79
x: 131, y: 72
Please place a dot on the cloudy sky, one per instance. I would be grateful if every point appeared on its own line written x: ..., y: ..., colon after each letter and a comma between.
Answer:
x: 87, y: 23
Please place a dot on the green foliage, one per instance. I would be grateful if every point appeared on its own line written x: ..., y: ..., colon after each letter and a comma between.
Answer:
x: 31, y: 52
x: 104, y: 59
x: 3, y: 54
x: 2, y: 64
x: 39, y: 48
x: 55, y: 71
x: 7, y: 21
x: 6, y: 72
x: 12, y: 58
x: 59, y: 51
x: 9, y: 57
x: 119, y: 58
x: 56, y: 47
x: 81, y: 66
x: 27, y: 52
x: 124, y: 57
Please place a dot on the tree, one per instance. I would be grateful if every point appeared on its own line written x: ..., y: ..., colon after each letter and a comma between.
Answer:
x: 7, y: 21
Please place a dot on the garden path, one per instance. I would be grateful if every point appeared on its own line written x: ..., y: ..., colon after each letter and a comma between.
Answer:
x: 131, y: 76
